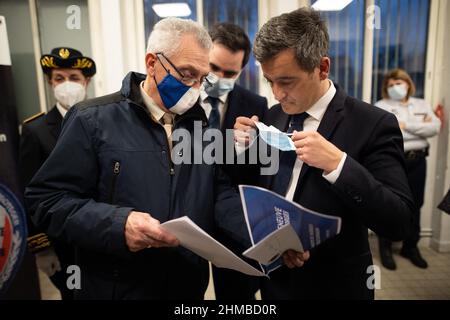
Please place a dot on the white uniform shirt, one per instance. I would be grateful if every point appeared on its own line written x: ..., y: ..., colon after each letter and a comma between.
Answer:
x: 413, y: 114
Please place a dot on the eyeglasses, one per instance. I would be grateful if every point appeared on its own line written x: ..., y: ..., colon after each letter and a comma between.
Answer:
x: 205, y: 81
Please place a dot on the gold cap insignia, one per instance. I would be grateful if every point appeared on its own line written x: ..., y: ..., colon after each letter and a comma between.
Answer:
x: 82, y: 64
x: 64, y: 53
x: 48, y: 62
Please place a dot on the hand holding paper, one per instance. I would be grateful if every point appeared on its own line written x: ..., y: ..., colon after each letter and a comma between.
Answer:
x: 280, y: 230
x: 276, y: 225
x: 271, y: 247
x: 293, y: 259
x: 198, y: 241
x: 143, y: 231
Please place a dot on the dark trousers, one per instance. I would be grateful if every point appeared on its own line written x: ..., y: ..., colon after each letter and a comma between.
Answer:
x: 416, y: 170
x: 321, y: 279
x: 233, y: 285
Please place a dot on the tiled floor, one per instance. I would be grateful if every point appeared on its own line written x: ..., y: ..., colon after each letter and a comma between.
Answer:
x: 406, y: 283
x: 411, y: 283
x: 49, y: 291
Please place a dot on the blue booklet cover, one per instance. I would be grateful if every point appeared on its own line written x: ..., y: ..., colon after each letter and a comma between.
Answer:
x: 276, y: 224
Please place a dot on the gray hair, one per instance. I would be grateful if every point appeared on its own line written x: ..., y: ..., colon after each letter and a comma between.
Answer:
x: 302, y: 30
x: 166, y: 35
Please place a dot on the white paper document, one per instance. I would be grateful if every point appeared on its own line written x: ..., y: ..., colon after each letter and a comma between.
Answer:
x: 276, y: 224
x: 192, y: 237
x: 271, y: 247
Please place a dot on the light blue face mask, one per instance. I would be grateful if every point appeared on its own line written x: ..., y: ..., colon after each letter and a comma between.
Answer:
x: 220, y: 87
x: 398, y: 92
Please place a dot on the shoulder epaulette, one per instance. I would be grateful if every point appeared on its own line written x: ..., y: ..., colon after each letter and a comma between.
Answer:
x: 38, y: 242
x: 40, y: 114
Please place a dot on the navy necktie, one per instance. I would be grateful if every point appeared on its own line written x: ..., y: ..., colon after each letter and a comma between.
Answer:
x: 214, y: 116
x: 287, y: 158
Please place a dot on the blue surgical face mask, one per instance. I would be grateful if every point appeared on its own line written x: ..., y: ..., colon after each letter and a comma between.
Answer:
x: 176, y: 96
x: 398, y: 92
x: 220, y: 87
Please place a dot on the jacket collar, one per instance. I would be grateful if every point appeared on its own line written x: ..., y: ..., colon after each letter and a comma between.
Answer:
x: 54, y: 120
x: 332, y: 117
x: 54, y: 116
x: 130, y: 88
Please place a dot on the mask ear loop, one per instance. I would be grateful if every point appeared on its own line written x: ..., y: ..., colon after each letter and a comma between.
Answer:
x: 171, y: 64
x: 164, y: 67
x: 162, y: 64
x: 210, y: 80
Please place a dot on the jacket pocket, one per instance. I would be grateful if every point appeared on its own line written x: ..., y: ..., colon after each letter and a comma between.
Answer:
x: 116, y: 172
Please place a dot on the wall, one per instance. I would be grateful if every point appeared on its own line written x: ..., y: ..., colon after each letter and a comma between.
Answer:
x: 438, y: 180
x: 53, y: 31
x: 17, y: 15
x: 118, y: 41
x: 267, y: 10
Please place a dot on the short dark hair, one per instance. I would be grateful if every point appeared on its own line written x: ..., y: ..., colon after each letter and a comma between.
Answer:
x: 233, y: 37
x: 302, y: 30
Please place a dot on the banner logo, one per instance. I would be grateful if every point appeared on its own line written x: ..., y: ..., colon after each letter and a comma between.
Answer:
x: 12, y: 236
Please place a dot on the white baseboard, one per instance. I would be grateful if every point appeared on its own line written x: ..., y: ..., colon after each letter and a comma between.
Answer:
x: 440, y: 246
x: 424, y: 233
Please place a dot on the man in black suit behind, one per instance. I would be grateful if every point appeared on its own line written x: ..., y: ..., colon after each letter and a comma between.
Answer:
x: 69, y: 74
x: 348, y: 162
x: 223, y: 102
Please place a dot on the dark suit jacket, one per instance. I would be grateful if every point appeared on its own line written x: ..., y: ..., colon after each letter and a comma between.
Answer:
x: 371, y: 192
x: 38, y: 139
x: 243, y: 103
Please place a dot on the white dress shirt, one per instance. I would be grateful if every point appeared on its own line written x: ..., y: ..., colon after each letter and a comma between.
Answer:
x: 312, y: 123
x: 61, y: 109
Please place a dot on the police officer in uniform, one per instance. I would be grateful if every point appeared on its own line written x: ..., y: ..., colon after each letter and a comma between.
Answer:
x: 418, y: 123
x: 68, y: 73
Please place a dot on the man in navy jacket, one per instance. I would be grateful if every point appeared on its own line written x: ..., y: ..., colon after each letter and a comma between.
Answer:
x: 111, y: 179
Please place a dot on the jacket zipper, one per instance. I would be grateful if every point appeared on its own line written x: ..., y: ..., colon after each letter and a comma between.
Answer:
x: 116, y: 171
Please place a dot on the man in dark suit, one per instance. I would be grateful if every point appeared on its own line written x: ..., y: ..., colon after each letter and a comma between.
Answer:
x: 223, y: 102
x: 68, y: 73
x: 348, y: 163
